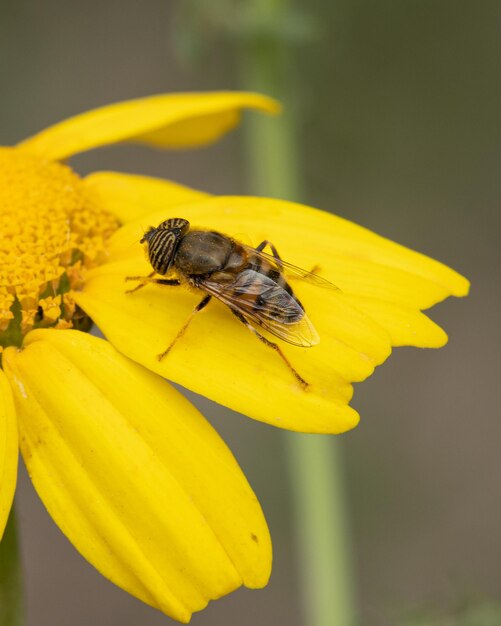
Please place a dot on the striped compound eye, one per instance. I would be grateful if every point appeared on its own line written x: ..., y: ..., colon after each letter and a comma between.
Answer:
x: 162, y: 242
x: 177, y: 223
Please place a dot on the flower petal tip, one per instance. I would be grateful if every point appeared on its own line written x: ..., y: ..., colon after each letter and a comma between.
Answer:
x: 183, y: 120
x: 464, y: 288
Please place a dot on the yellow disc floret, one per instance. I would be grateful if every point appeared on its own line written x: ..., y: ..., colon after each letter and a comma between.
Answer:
x: 51, y: 234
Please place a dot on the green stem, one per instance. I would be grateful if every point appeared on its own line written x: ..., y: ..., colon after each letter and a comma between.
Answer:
x: 315, y: 466
x: 316, y: 473
x: 11, y: 611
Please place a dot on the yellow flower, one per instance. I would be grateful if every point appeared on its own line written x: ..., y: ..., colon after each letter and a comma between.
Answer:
x: 131, y: 473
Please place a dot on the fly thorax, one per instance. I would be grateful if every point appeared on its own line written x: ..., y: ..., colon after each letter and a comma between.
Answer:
x: 201, y: 252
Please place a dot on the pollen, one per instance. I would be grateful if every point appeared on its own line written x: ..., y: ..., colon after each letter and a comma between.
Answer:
x: 52, y: 233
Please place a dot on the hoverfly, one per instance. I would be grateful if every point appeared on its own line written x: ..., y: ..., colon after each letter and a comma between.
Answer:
x: 248, y: 280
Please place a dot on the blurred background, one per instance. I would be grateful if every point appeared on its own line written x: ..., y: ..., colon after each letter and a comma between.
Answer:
x: 400, y: 106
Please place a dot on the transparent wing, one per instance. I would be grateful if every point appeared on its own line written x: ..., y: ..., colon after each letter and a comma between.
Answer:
x: 264, y: 303
x: 301, y: 333
x: 290, y: 270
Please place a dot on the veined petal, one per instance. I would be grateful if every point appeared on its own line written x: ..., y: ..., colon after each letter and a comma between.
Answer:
x: 8, y: 451
x: 219, y: 358
x: 356, y: 267
x: 129, y: 197
x: 133, y: 474
x: 182, y: 120
x: 354, y: 258
x: 406, y: 326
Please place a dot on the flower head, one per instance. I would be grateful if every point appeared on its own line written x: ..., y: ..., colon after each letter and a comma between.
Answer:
x: 129, y: 470
x: 52, y: 233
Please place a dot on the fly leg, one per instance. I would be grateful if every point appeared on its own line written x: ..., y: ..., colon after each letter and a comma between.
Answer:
x: 271, y: 345
x: 201, y: 305
x: 146, y: 280
x: 314, y: 270
x: 263, y: 245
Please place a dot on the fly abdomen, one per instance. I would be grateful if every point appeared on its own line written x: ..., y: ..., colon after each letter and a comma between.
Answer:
x: 283, y: 306
x: 266, y: 297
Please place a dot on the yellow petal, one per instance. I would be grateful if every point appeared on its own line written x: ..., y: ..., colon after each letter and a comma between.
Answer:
x: 406, y: 326
x: 219, y: 358
x: 8, y: 451
x: 168, y: 121
x: 356, y: 268
x: 130, y: 197
x: 133, y: 474
x: 355, y: 259
x: 377, y: 306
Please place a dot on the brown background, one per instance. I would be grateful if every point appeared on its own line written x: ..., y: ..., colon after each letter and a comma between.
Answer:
x: 401, y: 109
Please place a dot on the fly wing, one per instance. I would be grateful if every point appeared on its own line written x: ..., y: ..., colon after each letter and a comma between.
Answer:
x: 292, y: 271
x: 262, y: 302
x: 301, y: 333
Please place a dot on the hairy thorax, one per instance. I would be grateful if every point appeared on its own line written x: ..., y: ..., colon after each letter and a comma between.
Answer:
x: 203, y: 253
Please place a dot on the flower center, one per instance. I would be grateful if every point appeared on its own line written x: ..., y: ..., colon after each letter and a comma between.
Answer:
x: 51, y: 234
